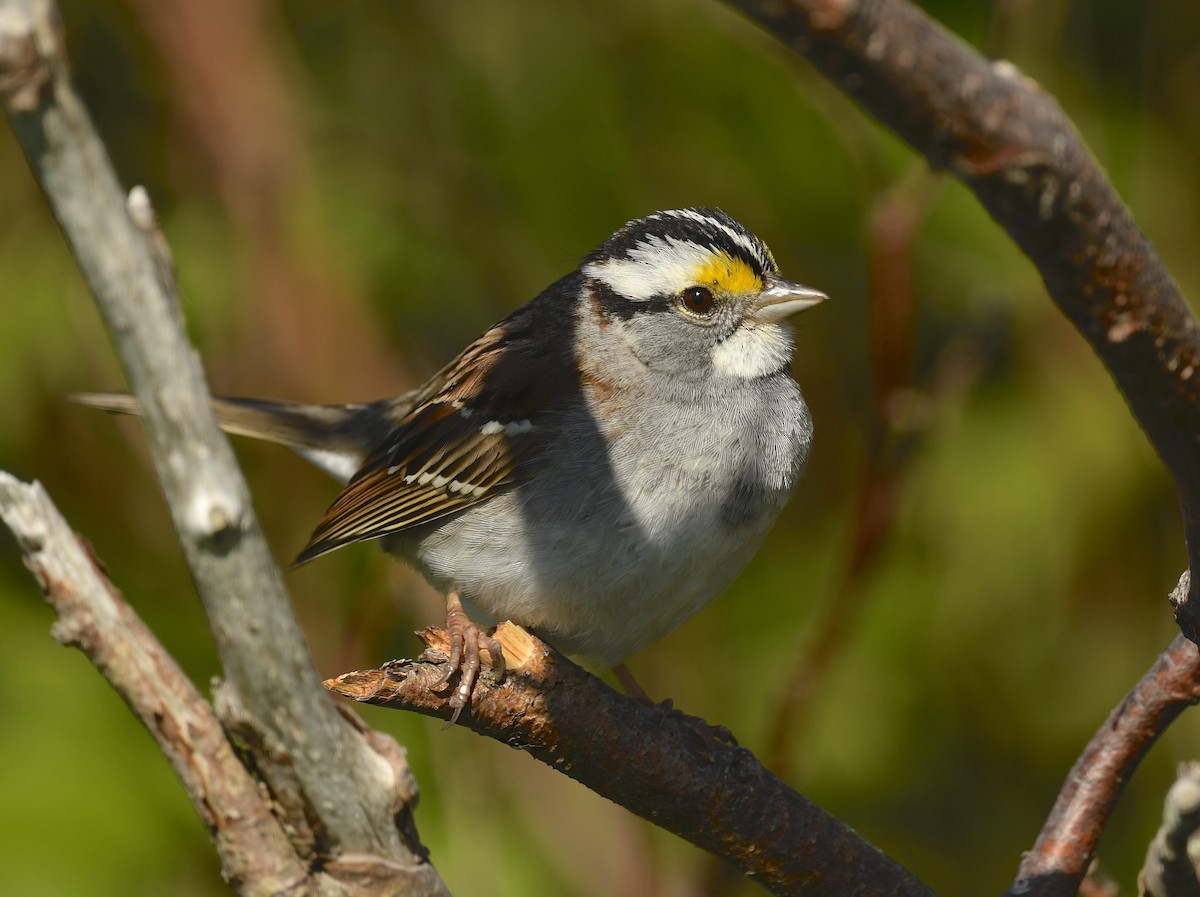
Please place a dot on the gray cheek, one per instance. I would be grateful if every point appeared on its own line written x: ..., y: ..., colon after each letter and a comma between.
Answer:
x: 666, y: 343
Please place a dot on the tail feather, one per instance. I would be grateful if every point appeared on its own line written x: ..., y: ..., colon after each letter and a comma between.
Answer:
x: 337, y: 438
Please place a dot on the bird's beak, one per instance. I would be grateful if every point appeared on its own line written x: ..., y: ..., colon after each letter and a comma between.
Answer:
x: 781, y: 299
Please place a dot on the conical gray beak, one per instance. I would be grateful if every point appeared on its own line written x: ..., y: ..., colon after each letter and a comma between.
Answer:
x: 781, y: 299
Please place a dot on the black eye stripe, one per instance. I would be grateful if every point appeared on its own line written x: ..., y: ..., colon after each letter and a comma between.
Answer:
x: 614, y: 305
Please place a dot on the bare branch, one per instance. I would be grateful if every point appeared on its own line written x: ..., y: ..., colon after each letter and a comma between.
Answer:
x: 672, y: 769
x: 256, y: 857
x: 992, y: 128
x: 348, y: 806
x: 1065, y: 848
x: 1010, y: 143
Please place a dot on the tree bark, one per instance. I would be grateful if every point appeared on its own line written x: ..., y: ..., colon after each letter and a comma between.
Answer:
x: 339, y: 795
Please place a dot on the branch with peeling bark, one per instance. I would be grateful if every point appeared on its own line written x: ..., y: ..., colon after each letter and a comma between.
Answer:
x: 256, y: 856
x: 695, y: 781
x: 672, y: 769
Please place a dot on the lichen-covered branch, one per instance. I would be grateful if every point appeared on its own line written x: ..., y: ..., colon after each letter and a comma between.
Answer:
x: 347, y: 802
x: 1011, y: 144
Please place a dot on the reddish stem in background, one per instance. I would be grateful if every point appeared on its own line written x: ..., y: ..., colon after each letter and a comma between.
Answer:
x: 894, y: 223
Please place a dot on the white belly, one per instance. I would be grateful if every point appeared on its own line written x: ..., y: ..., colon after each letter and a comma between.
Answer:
x: 604, y: 556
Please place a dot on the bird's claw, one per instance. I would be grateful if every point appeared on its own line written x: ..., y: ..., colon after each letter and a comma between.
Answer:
x: 466, y: 639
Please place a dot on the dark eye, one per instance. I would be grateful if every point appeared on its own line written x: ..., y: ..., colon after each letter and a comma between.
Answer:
x: 698, y: 300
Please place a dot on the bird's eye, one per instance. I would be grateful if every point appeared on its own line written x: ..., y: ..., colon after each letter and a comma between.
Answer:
x: 698, y: 301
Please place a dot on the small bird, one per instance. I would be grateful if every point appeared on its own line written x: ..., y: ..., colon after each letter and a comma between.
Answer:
x: 598, y: 465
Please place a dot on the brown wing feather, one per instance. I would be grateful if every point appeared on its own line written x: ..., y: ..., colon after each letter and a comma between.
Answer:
x: 388, y: 497
x: 455, y: 447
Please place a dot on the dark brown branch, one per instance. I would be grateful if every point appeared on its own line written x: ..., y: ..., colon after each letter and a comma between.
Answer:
x: 256, y: 856
x: 669, y: 768
x: 1010, y: 143
x: 1065, y: 848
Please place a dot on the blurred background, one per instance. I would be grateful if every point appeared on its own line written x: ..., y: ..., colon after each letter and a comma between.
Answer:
x: 971, y: 576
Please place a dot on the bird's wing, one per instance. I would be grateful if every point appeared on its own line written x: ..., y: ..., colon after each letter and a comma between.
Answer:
x: 472, y: 427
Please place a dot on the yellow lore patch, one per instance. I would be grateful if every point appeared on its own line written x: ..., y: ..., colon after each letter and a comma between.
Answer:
x: 728, y: 275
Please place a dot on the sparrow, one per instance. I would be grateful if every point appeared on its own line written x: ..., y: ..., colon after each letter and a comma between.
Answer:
x: 597, y: 466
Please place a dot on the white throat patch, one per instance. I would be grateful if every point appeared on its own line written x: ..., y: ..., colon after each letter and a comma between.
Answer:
x: 753, y: 350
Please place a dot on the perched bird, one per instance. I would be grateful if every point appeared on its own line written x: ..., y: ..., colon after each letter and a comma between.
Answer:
x: 598, y: 465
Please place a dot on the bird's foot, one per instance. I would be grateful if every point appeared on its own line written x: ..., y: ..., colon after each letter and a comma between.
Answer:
x: 466, y: 639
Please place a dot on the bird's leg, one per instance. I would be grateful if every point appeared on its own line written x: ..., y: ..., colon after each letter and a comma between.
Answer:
x: 466, y: 638
x: 631, y: 686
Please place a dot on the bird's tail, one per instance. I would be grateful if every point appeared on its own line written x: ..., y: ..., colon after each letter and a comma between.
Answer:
x: 336, y: 438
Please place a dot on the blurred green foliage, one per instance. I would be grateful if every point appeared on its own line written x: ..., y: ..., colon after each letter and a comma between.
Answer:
x: 354, y: 191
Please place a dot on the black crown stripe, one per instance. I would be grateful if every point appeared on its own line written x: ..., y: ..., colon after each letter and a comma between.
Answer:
x: 686, y: 228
